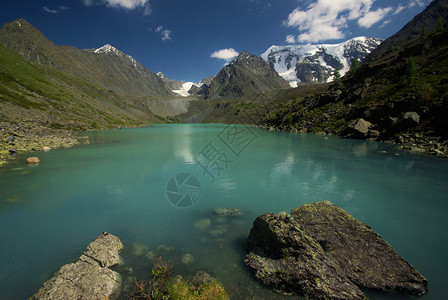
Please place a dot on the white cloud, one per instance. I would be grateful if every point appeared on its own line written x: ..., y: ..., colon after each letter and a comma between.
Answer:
x: 399, y: 9
x: 290, y: 39
x: 126, y: 4
x: 87, y: 2
x: 148, y: 10
x: 328, y: 19
x: 410, y: 4
x: 384, y: 23
x: 415, y: 3
x: 225, y: 54
x: 165, y: 33
x: 373, y: 17
x: 129, y: 4
x: 51, y: 11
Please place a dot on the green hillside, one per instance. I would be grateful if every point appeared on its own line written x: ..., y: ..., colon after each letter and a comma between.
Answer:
x: 38, y: 103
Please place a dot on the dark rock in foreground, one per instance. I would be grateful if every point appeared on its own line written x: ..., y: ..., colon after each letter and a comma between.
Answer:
x: 90, y: 277
x: 324, y: 253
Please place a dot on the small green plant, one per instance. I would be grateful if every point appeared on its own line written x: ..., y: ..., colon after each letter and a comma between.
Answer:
x: 440, y: 24
x: 337, y: 75
x: 354, y: 65
x: 212, y: 290
x: 162, y: 287
x: 423, y: 31
x: 411, y: 70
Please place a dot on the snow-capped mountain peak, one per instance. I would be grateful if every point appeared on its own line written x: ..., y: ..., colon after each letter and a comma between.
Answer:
x: 316, y: 63
x: 109, y: 49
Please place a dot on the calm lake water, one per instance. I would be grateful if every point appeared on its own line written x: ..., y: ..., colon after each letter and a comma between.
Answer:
x: 123, y: 183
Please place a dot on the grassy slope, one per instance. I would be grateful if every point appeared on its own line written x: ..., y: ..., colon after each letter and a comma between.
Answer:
x: 40, y: 94
x: 41, y: 106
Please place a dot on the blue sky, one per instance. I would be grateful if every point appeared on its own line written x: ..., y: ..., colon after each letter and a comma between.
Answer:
x: 192, y: 39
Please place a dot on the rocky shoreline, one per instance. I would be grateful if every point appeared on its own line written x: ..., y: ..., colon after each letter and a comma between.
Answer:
x: 413, y: 142
x: 29, y: 137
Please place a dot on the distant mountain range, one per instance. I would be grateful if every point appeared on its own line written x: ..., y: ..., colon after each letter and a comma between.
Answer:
x: 297, y: 64
x: 317, y: 63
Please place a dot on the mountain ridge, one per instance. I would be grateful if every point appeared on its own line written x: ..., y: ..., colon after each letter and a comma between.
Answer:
x: 423, y: 23
x: 107, y: 69
x: 246, y: 75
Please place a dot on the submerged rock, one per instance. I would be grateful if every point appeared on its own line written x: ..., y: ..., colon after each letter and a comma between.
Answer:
x: 227, y: 211
x: 202, y: 224
x: 202, y: 277
x: 217, y: 231
x: 187, y: 259
x: 139, y: 249
x: 90, y: 277
x: 33, y: 160
x: 324, y: 253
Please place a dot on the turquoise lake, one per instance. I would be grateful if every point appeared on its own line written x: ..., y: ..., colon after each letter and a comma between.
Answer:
x: 122, y: 183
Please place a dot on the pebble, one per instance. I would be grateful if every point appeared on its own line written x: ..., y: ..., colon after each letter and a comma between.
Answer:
x: 33, y: 160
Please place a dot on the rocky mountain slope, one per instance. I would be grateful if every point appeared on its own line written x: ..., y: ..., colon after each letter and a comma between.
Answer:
x: 107, y: 66
x: 38, y: 102
x: 400, y: 96
x: 317, y: 63
x: 247, y: 75
x: 428, y: 21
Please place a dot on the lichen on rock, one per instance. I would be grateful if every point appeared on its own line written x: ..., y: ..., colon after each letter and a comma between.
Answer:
x: 325, y: 253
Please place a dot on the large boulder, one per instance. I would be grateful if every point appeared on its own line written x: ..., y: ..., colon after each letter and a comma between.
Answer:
x: 285, y: 257
x: 325, y: 253
x: 358, y: 129
x: 90, y: 277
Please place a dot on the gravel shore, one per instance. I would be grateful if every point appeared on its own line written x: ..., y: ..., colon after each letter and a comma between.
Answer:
x: 29, y: 137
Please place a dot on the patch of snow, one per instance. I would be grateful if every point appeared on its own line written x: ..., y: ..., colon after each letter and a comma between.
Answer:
x: 186, y: 87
